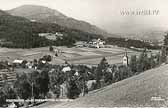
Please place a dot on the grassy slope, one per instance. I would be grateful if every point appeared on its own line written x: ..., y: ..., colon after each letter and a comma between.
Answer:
x: 134, y: 91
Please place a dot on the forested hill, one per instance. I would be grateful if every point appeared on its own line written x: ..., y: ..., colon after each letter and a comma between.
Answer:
x: 47, y: 15
x: 19, y: 32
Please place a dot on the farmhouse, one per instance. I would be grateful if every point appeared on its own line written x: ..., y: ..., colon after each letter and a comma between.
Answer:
x: 17, y: 61
x: 81, y: 44
x: 97, y: 43
x: 51, y: 36
x: 66, y: 69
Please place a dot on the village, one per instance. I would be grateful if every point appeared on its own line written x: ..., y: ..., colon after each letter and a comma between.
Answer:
x: 57, y: 54
x: 65, y: 66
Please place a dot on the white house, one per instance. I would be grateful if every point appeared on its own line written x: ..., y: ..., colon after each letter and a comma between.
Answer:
x: 98, y: 43
x: 16, y: 61
x: 51, y: 36
x: 89, y: 83
x: 66, y: 69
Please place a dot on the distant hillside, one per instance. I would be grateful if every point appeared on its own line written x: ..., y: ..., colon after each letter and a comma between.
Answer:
x: 47, y: 15
x: 19, y: 32
x: 153, y: 35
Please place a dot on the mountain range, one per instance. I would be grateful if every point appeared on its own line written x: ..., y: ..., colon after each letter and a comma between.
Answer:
x: 43, y: 14
x: 46, y: 15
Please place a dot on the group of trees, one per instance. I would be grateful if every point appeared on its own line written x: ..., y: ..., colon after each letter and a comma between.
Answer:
x: 3, y: 64
x: 75, y: 83
x: 164, y: 49
x: 144, y: 62
x: 27, y: 86
x: 122, y: 42
x: 107, y: 74
x: 6, y: 92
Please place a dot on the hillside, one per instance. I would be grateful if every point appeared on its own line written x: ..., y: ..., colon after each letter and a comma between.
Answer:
x: 19, y: 32
x: 46, y: 15
x: 134, y: 91
x: 156, y: 35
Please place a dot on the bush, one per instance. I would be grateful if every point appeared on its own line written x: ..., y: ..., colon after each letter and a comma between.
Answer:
x: 93, y: 86
x: 2, y: 98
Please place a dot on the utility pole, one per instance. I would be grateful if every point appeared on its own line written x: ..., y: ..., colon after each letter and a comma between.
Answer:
x: 83, y: 87
x: 32, y: 91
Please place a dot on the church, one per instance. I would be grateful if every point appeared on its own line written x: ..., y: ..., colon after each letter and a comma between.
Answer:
x: 125, y: 58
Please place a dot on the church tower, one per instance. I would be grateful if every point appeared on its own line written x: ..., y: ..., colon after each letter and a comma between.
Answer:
x: 125, y: 58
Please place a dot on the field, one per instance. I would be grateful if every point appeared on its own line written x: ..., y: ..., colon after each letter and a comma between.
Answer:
x: 89, y: 56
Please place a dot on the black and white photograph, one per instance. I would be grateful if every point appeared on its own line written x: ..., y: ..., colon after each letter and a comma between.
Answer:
x: 83, y: 53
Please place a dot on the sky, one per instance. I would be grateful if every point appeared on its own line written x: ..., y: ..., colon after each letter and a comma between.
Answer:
x: 105, y: 14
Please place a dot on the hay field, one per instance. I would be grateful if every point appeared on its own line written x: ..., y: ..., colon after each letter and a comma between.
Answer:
x: 72, y: 55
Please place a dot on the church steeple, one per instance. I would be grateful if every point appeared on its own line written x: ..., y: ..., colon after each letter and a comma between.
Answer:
x: 125, y: 58
x: 126, y: 53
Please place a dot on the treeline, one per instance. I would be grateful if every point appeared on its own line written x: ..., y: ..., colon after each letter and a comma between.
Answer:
x: 106, y: 74
x: 122, y: 42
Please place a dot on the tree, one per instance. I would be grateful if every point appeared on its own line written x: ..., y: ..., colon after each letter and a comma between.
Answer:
x: 23, y: 87
x: 153, y: 61
x: 51, y: 49
x: 158, y: 59
x: 56, y: 79
x: 35, y: 84
x: 73, y: 90
x: 108, y: 77
x: 164, y: 49
x: 141, y: 62
x: 9, y: 91
x: 47, y: 58
x: 124, y: 72
x: 81, y: 80
x: 2, y: 98
x: 165, y: 39
x: 121, y: 72
x: 133, y: 64
x: 24, y: 63
x: 163, y: 54
x: 44, y: 82
x: 102, y: 66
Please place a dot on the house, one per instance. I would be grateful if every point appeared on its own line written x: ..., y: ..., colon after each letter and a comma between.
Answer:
x: 66, y: 69
x: 81, y: 44
x: 58, y: 34
x: 51, y: 36
x: 17, y: 61
x: 97, y: 43
x: 89, y: 84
